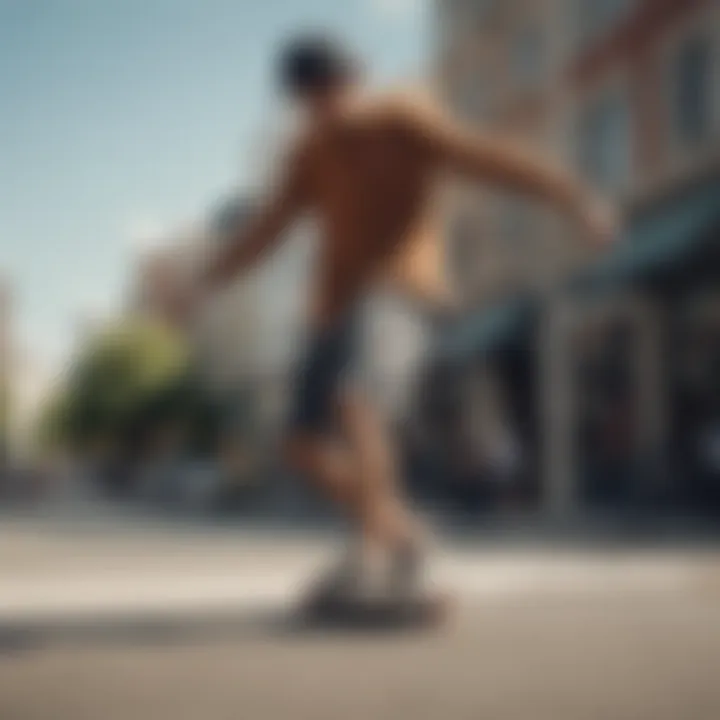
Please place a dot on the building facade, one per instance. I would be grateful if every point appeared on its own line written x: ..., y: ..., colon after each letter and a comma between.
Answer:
x: 257, y: 322
x: 627, y: 93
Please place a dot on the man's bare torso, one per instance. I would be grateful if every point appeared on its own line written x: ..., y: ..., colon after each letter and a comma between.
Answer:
x: 372, y: 191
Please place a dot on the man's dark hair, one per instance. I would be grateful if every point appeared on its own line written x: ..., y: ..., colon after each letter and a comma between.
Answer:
x: 315, y: 63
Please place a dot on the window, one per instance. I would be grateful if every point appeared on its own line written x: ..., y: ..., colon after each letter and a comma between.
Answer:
x: 466, y: 251
x: 518, y: 225
x: 463, y: 244
x: 462, y: 16
x: 598, y: 17
x: 528, y: 57
x: 605, y: 150
x: 472, y: 97
x: 692, y: 90
x: 476, y: 12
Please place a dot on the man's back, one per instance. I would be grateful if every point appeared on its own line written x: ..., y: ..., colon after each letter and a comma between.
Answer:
x: 371, y: 186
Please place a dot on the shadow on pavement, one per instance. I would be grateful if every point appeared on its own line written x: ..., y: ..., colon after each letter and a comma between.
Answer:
x: 251, y: 624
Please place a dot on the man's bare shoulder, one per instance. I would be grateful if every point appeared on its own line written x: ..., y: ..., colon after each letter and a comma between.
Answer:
x: 297, y: 143
x: 399, y: 108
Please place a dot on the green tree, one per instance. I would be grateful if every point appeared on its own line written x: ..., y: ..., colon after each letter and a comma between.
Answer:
x: 131, y: 380
x: 4, y: 420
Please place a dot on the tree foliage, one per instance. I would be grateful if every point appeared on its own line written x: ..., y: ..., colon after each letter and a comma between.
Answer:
x: 4, y: 417
x: 131, y: 380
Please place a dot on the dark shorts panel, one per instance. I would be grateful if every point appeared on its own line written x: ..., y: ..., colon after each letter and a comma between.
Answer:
x: 318, y: 375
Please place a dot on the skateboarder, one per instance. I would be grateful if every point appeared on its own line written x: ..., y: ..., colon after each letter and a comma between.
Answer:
x: 367, y: 168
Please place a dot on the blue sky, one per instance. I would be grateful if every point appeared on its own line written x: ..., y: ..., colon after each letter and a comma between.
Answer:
x: 120, y: 114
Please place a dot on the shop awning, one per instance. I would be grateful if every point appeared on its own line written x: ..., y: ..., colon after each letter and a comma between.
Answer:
x: 657, y: 242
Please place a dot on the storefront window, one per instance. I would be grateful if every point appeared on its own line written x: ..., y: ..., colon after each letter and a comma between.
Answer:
x: 692, y: 90
x: 605, y: 142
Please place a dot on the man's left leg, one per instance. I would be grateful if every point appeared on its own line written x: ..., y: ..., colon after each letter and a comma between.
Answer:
x: 380, y: 491
x: 332, y: 444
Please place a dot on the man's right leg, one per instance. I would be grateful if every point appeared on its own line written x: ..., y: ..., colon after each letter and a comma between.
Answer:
x: 381, y: 492
x: 350, y: 475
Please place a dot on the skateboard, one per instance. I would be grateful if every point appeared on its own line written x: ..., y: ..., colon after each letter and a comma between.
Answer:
x: 423, y: 610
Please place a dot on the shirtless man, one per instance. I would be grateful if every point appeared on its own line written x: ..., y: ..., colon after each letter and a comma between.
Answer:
x: 367, y: 168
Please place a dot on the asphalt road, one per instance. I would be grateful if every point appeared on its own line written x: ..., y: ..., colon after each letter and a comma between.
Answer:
x: 534, y: 659
x: 539, y: 634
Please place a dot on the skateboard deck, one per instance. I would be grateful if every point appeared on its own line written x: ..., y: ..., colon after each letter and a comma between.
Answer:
x: 425, y: 610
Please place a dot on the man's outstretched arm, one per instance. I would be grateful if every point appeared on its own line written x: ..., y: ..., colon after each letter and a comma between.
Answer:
x: 251, y: 243
x: 501, y: 162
